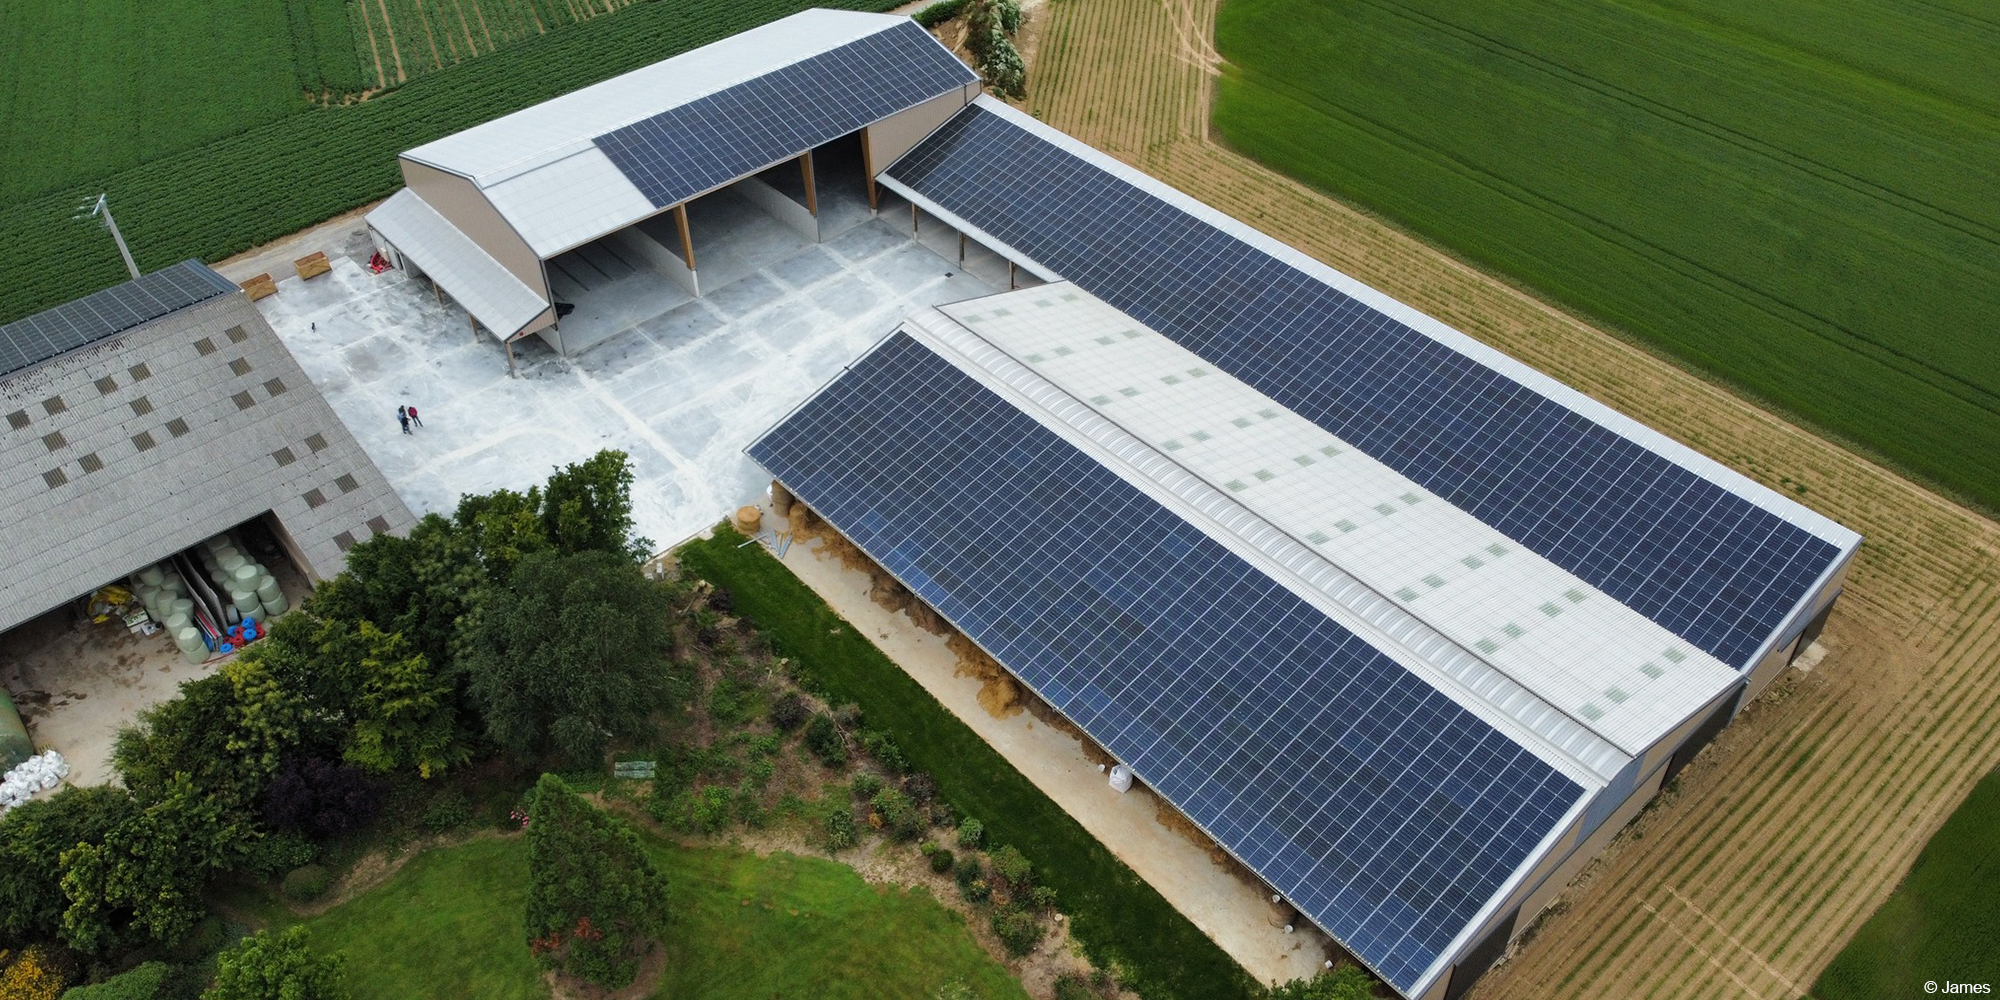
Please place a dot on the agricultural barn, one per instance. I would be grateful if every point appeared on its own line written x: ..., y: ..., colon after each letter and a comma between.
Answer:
x: 1407, y: 627
x: 520, y: 218
x: 157, y: 414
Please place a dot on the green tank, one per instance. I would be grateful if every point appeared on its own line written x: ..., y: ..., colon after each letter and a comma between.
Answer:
x: 15, y: 746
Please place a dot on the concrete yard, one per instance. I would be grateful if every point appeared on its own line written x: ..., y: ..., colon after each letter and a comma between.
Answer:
x: 681, y: 384
x: 1228, y: 906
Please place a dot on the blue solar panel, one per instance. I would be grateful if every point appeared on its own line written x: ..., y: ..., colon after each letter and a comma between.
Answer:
x: 32, y: 340
x: 1701, y: 561
x: 680, y: 153
x: 1385, y: 811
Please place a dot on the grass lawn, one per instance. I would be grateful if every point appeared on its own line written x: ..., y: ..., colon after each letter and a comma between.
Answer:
x: 1941, y: 923
x: 1796, y: 196
x: 449, y: 925
x: 1120, y: 919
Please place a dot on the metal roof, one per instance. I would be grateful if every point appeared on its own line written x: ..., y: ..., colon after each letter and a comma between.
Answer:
x: 502, y: 303
x: 31, y: 340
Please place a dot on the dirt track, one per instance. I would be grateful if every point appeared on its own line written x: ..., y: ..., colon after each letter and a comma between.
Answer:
x: 1793, y: 829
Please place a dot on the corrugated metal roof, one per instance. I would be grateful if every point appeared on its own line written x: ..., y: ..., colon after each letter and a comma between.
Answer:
x: 501, y: 302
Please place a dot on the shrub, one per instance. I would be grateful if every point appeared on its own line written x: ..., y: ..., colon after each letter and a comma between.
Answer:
x: 970, y: 832
x: 749, y: 807
x: 1018, y: 930
x: 839, y: 828
x: 320, y: 798
x: 277, y: 853
x: 788, y: 712
x: 922, y: 787
x: 760, y: 771
x: 1349, y: 982
x: 1042, y: 898
x: 941, y: 860
x: 885, y: 750
x: 41, y: 973
x: 447, y: 812
x: 728, y: 702
x: 1073, y: 986
x: 977, y: 890
x: 866, y: 784
x: 900, y: 817
x: 277, y: 966
x: 763, y: 745
x: 942, y: 814
x: 1012, y: 870
x: 848, y: 715
x: 703, y: 811
x: 824, y: 740
x: 938, y: 13
x: 306, y: 884
x: 595, y: 900
x: 151, y: 981
x: 720, y: 598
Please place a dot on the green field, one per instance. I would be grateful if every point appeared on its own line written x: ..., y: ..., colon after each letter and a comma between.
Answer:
x: 206, y: 179
x: 449, y: 924
x: 1801, y: 197
x: 1941, y: 924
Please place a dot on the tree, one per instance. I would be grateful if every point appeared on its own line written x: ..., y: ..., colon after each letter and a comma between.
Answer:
x: 989, y: 25
x: 503, y: 527
x: 594, y: 898
x: 33, y: 838
x: 190, y: 735
x: 418, y: 586
x: 267, y: 966
x: 319, y: 798
x: 402, y: 710
x: 143, y: 882
x: 588, y: 507
x: 573, y: 653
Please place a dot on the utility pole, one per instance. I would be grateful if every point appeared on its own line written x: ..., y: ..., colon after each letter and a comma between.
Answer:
x: 102, y: 207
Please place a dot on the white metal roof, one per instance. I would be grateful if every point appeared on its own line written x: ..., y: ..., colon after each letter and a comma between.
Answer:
x: 569, y: 201
x: 501, y: 302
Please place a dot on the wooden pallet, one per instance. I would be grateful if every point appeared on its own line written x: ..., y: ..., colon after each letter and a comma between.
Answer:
x: 313, y: 264
x: 259, y: 286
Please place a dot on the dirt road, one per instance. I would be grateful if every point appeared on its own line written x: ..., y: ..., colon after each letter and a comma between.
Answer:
x: 1783, y: 838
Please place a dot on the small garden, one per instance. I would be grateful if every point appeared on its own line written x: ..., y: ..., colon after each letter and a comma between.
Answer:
x: 505, y: 757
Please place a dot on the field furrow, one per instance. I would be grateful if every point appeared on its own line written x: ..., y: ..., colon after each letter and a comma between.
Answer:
x: 1787, y: 835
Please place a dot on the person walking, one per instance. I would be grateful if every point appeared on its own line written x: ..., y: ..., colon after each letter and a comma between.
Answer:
x: 414, y: 418
x: 403, y: 417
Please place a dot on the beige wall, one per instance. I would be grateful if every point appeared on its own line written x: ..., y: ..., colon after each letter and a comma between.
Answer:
x: 895, y: 135
x: 459, y: 200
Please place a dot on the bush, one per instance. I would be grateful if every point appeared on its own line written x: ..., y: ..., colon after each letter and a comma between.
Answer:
x: 885, y: 750
x: 306, y: 884
x: 938, y: 13
x: 277, y: 853
x: 824, y: 740
x: 922, y: 787
x: 789, y: 712
x: 866, y: 784
x: 447, y: 812
x: 1349, y: 982
x: 41, y: 973
x: 270, y: 965
x: 1042, y: 898
x: 1012, y: 870
x: 978, y: 890
x: 848, y: 715
x: 900, y: 817
x: 320, y: 798
x: 967, y: 870
x: 839, y: 828
x: 700, y: 812
x: 1073, y: 986
x: 728, y: 702
x: 720, y: 598
x: 151, y: 981
x: 942, y: 814
x: 760, y: 771
x: 970, y: 832
x: 941, y: 860
x: 1018, y: 930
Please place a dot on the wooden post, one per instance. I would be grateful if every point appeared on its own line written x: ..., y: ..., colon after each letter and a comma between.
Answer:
x: 812, y: 198
x: 913, y: 220
x: 435, y: 290
x: 687, y: 241
x: 868, y: 169
x: 1010, y: 276
x: 474, y: 323
x: 961, y: 249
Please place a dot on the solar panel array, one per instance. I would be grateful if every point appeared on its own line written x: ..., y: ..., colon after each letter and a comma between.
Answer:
x: 1380, y: 807
x: 1693, y: 556
x: 680, y: 153
x: 27, y: 342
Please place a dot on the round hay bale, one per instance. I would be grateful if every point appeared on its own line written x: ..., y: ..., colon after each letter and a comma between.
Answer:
x: 749, y: 519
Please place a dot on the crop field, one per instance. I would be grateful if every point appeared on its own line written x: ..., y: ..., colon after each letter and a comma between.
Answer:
x: 1793, y: 196
x: 399, y: 39
x: 234, y: 191
x: 1941, y: 923
x: 1786, y: 836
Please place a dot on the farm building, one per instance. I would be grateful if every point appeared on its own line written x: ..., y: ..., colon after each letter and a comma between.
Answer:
x: 157, y: 414
x: 1408, y: 628
x: 526, y: 217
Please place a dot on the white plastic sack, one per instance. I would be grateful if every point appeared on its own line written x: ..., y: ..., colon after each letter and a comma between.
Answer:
x: 41, y: 772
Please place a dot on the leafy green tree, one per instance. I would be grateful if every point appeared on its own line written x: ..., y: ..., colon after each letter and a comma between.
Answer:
x: 267, y: 966
x: 143, y: 882
x: 1349, y: 982
x: 502, y: 527
x: 402, y: 707
x: 33, y: 838
x: 572, y: 654
x: 418, y: 586
x: 594, y: 898
x: 588, y: 507
x: 197, y: 734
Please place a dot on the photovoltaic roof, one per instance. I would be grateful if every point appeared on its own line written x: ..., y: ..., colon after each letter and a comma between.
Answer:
x: 686, y: 150
x: 1383, y: 809
x: 1700, y: 559
x: 30, y: 341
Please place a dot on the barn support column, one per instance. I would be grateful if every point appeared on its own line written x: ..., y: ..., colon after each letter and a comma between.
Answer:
x: 868, y: 170
x: 687, y: 241
x: 512, y: 372
x: 806, y: 170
